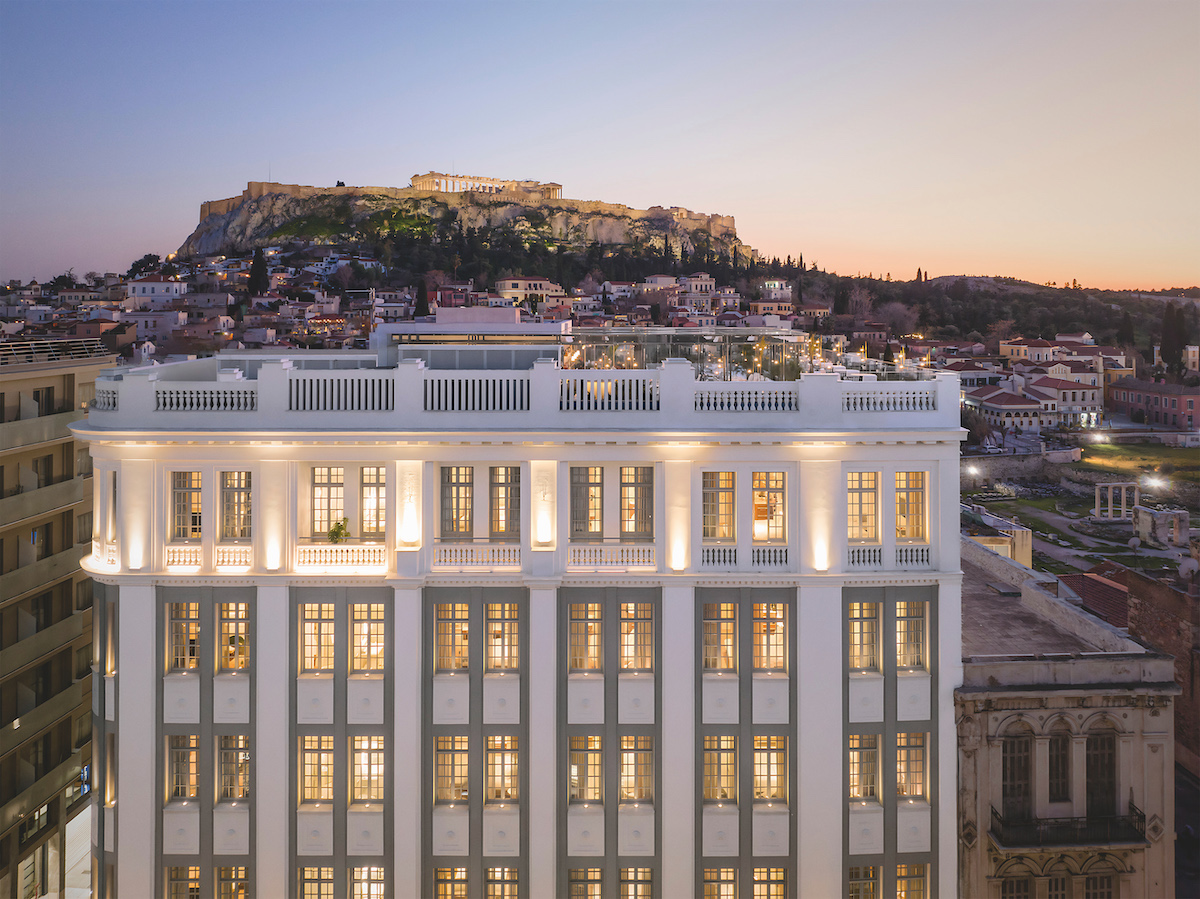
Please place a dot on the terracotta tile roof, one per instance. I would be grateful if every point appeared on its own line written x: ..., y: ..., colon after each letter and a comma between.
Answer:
x: 1101, y: 596
x: 1059, y: 384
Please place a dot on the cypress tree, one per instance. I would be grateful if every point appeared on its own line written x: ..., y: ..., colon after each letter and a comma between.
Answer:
x: 918, y: 276
x: 259, y: 281
x: 422, y: 305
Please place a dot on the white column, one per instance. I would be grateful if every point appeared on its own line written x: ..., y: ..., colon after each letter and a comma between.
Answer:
x: 272, y: 706
x: 139, y: 797
x: 406, y: 753
x: 678, y: 794
x: 950, y: 675
x: 543, y: 742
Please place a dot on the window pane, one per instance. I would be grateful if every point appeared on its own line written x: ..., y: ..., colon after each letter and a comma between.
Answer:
x: 452, y: 635
x: 637, y: 769
x: 316, y: 778
x: 769, y: 509
x: 317, y: 635
x: 585, y: 652
x: 770, y: 768
x: 910, y: 882
x: 587, y: 502
x: 372, y: 501
x: 451, y: 767
x: 720, y: 769
x: 637, y: 636
x: 457, y: 486
x: 864, y: 636
x: 910, y: 765
x: 717, y: 504
x: 182, y: 766
x: 235, y: 505
x: 185, y: 505
x: 233, y: 766
x: 910, y: 506
x: 503, y: 633
x: 367, y: 640
x: 327, y: 498
x: 861, y: 506
x: 585, y: 766
x: 637, y: 502
x: 233, y: 621
x: 185, y: 635
x: 502, y: 770
x: 770, y: 636
x: 720, y: 635
x: 368, y: 764
x: 864, y: 882
x: 864, y: 765
x: 367, y: 882
x: 910, y: 634
x: 506, y: 503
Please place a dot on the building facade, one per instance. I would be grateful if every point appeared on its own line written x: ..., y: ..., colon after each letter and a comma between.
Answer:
x: 45, y: 611
x: 473, y: 625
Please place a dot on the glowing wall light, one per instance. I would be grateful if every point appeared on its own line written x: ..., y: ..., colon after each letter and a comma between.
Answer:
x: 273, y: 554
x: 410, y: 527
x: 678, y: 556
x: 545, y: 528
x: 136, y: 552
x: 821, y: 553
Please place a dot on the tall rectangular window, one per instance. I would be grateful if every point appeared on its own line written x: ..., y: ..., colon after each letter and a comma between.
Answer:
x: 910, y: 882
x: 720, y: 883
x: 637, y: 502
x: 864, y: 882
x: 1060, y: 767
x: 769, y: 508
x: 316, y: 883
x: 720, y: 636
x: 1058, y: 887
x: 366, y: 638
x: 372, y: 500
x: 862, y: 507
x: 584, y: 883
x: 182, y: 766
x: 367, y: 882
x: 232, y: 882
x: 587, y: 503
x: 910, y: 506
x: 717, y: 505
x: 450, y: 883
x: 452, y: 635
x: 235, y: 505
x: 503, y: 636
x: 864, y: 636
x: 770, y: 768
x: 185, y: 505
x: 585, y: 646
x: 637, y: 636
x: 585, y: 764
x: 328, y: 498
x: 233, y: 623
x: 316, y: 769
x: 185, y: 635
x: 368, y: 766
x: 635, y: 883
x: 637, y: 769
x: 864, y: 766
x: 720, y: 769
x: 457, y: 487
x: 910, y: 634
x: 183, y: 883
x: 501, y: 883
x: 910, y: 765
x: 233, y: 765
x: 768, y: 883
x: 770, y: 636
x: 317, y: 635
x: 505, y: 503
x: 503, y: 782
x: 451, y: 770
x: 1098, y: 886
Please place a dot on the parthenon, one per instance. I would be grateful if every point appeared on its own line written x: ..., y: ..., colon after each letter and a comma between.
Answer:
x: 456, y: 183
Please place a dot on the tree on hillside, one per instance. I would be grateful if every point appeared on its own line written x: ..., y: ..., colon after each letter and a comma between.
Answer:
x: 65, y: 281
x: 422, y: 305
x: 148, y: 263
x: 1170, y: 347
x: 899, y: 318
x: 918, y: 276
x: 799, y: 286
x: 1125, y: 336
x: 860, y: 302
x: 259, y: 281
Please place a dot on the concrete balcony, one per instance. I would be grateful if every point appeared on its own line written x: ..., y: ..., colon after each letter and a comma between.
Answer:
x: 44, y: 500
x: 30, y: 577
x: 345, y: 557
x: 32, y: 431
x: 609, y: 555
x: 483, y: 554
x: 42, y: 790
x: 42, y: 716
x: 1097, y: 832
x: 33, y: 647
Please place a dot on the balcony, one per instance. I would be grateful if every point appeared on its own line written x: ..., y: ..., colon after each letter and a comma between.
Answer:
x: 864, y: 557
x: 1109, y: 830
x: 913, y: 556
x: 340, y: 556
x: 44, y: 500
x: 611, y: 554
x: 44, y: 571
x: 36, y: 645
x: 476, y: 554
x: 33, y: 431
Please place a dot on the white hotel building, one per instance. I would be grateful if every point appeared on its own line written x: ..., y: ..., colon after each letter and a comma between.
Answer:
x: 592, y: 633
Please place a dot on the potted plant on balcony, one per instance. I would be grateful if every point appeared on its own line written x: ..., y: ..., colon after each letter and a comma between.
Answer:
x: 340, y: 531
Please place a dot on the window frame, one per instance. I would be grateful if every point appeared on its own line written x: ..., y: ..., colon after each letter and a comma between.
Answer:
x: 585, y: 637
x: 504, y: 503
x: 771, y: 486
x: 862, y: 767
x: 719, y: 627
x: 769, y: 636
x: 635, y: 652
x: 457, y: 483
x: 318, y: 637
x: 328, y: 495
x: 912, y: 639
x: 233, y: 766
x: 864, y: 629
x: 372, y: 501
x: 770, y: 768
x: 368, y: 768
x: 719, y: 769
x: 368, y: 637
x: 183, y: 636
x: 912, y: 765
x: 187, y: 507
x: 637, y: 503
x: 237, y: 507
x: 316, y: 768
x: 183, y: 767
x: 585, y: 768
x: 718, y: 507
x: 452, y: 769
x: 635, y: 768
x: 502, y: 769
x: 586, y: 503
x: 233, y: 629
x: 862, y: 507
x: 912, y: 506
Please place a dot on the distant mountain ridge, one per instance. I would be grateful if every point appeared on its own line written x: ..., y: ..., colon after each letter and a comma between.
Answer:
x: 267, y: 213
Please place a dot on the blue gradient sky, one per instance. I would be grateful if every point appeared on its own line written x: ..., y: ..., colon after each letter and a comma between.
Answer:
x: 1044, y: 140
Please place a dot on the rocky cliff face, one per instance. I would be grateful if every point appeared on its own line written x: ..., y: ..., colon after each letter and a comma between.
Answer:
x: 268, y: 213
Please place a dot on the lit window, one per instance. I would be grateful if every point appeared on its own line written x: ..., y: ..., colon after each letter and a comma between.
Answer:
x: 185, y: 505
x: 450, y: 883
x: 235, y: 505
x: 185, y: 635
x: 717, y: 505
x: 584, y: 883
x: 586, y: 765
x: 769, y: 517
x: 637, y: 502
x: 506, y: 503
x: 182, y: 766
x: 233, y: 766
x: 367, y: 882
x: 864, y: 766
x: 502, y: 769
x: 316, y: 769
x: 587, y: 503
x: 769, y: 883
x: 910, y: 765
x: 585, y: 639
x: 452, y: 635
x: 182, y: 883
x: 1060, y: 767
x: 720, y: 883
x: 720, y: 636
x: 451, y: 764
x: 232, y: 883
x: 637, y: 635
x: 720, y: 769
x: 864, y: 636
x: 366, y: 642
x: 327, y: 498
x: 770, y: 768
x: 635, y: 883
x: 233, y: 621
x: 910, y: 882
x: 862, y: 509
x: 910, y: 506
x: 501, y: 883
x: 770, y: 636
x: 372, y: 500
x: 503, y: 632
x: 317, y: 629
x: 369, y: 766
x: 457, y: 485
x: 864, y: 882
x: 910, y: 634
x: 637, y: 769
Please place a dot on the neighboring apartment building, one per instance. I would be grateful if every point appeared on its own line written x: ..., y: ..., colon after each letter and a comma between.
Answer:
x: 1066, y: 746
x: 1172, y: 405
x: 45, y: 612
x: 518, y: 289
x: 591, y: 633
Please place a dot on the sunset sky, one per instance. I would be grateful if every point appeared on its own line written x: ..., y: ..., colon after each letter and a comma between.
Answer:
x: 1048, y: 140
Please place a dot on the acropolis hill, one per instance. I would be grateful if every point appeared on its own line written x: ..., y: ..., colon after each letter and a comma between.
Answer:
x: 267, y: 213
